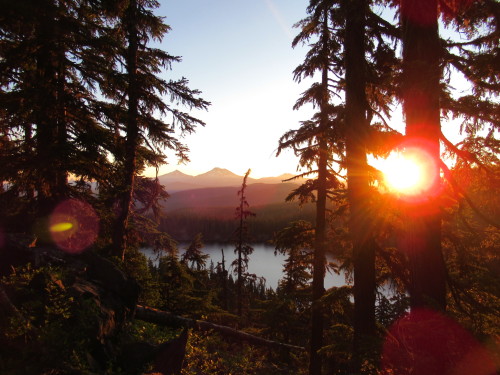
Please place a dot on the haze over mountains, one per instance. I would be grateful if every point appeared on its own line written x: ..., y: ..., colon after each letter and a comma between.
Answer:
x: 217, y: 177
x: 219, y: 188
x: 206, y: 204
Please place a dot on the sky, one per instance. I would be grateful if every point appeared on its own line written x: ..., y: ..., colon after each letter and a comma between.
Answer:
x: 239, y: 54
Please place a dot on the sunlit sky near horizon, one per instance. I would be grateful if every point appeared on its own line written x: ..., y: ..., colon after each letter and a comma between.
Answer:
x: 239, y: 54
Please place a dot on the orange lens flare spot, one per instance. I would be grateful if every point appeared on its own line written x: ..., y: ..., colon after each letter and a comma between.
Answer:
x: 61, y: 227
x: 427, y: 342
x: 74, y: 226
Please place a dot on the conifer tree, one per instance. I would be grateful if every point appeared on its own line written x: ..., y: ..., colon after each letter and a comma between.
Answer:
x: 358, y: 180
x: 428, y: 96
x: 420, y: 87
x: 137, y: 92
x: 243, y: 249
x: 474, y: 56
x: 48, y: 85
x: 363, y: 70
x: 321, y: 140
x: 194, y: 254
x: 296, y: 241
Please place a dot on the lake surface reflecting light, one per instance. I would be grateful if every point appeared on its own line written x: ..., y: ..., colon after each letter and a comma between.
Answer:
x: 262, y: 262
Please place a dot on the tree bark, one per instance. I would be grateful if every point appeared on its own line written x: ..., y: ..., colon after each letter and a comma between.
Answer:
x: 360, y: 221
x: 46, y: 122
x: 132, y: 137
x: 421, y: 78
x: 319, y: 260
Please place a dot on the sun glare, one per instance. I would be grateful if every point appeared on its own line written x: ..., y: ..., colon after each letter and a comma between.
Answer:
x: 408, y: 173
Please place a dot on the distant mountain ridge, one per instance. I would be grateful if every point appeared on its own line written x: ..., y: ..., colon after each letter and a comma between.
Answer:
x: 217, y: 177
x: 257, y: 194
x: 206, y: 204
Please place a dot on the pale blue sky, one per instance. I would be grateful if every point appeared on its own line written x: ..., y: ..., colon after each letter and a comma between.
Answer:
x: 238, y: 52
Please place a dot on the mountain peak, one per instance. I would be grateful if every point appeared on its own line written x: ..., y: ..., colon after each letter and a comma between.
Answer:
x: 177, y: 173
x: 222, y: 172
x: 216, y: 177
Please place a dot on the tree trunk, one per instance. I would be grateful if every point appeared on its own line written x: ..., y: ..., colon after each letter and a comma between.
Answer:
x: 224, y: 283
x: 62, y: 131
x: 360, y: 221
x: 421, y: 77
x: 319, y: 261
x: 132, y: 138
x: 239, y: 281
x: 47, y: 152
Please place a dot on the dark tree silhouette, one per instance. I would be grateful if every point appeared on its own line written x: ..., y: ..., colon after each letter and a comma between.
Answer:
x: 48, y: 81
x: 421, y: 88
x: 243, y: 249
x: 193, y: 256
x: 297, y: 242
x: 358, y: 180
x: 320, y: 138
x: 137, y: 95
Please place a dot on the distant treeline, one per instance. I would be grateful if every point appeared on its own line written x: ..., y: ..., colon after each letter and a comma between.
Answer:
x: 219, y: 225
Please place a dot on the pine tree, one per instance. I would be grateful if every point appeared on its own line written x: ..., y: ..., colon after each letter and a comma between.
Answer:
x: 296, y: 241
x: 48, y: 88
x: 320, y: 136
x: 362, y: 69
x: 194, y: 254
x: 474, y: 56
x: 358, y: 180
x: 421, y: 87
x: 136, y: 92
x: 243, y: 249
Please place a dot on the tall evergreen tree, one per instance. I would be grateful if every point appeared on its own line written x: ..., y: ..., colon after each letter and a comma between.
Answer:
x: 358, y: 181
x: 48, y: 92
x: 137, y: 93
x: 362, y: 69
x: 428, y: 95
x: 421, y: 91
x: 474, y: 56
x: 321, y: 137
x: 243, y: 249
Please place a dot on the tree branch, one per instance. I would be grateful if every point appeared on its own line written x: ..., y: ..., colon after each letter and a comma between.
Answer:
x: 459, y: 191
x: 465, y: 155
x: 151, y: 315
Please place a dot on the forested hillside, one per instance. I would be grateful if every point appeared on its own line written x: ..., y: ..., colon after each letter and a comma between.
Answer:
x: 88, y: 108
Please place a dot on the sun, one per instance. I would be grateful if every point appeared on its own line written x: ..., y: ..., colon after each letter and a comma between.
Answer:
x: 409, y: 173
x: 402, y: 174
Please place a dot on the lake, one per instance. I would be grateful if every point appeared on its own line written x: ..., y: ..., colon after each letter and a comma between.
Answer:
x: 262, y: 262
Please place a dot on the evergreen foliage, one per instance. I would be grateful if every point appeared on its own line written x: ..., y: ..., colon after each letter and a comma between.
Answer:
x: 243, y: 248
x: 84, y: 110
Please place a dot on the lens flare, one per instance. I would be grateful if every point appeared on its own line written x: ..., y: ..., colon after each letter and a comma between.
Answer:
x: 403, y: 174
x: 412, y: 173
x: 427, y: 342
x: 61, y: 227
x: 74, y: 226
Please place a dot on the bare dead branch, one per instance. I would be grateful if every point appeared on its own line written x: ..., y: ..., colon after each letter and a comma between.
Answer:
x: 151, y: 315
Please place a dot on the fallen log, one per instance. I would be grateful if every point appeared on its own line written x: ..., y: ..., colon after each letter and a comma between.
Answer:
x: 151, y: 315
